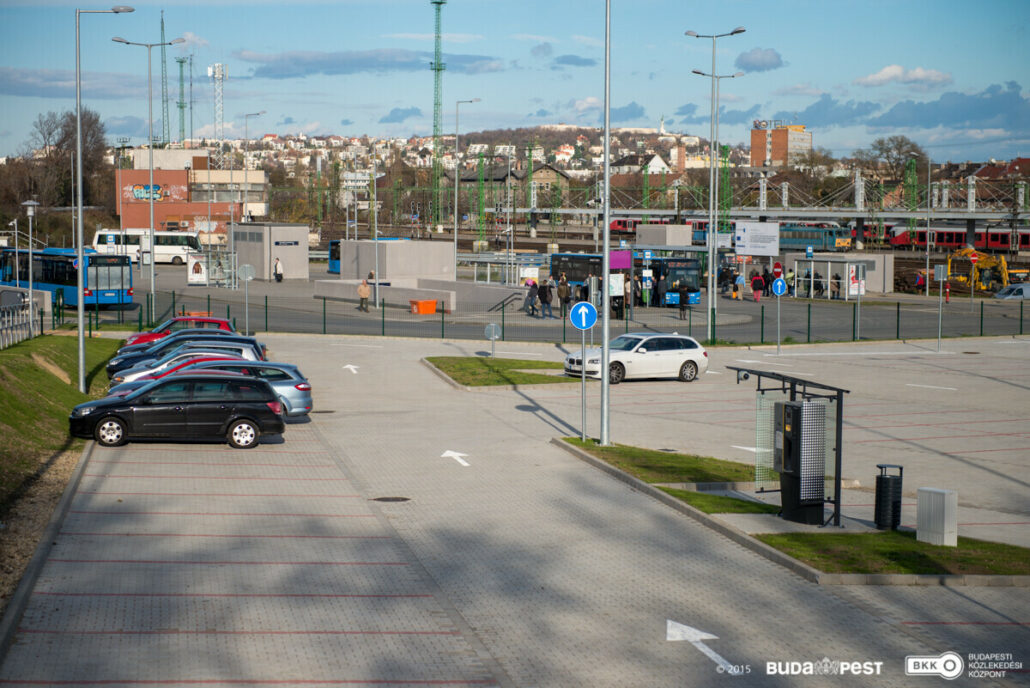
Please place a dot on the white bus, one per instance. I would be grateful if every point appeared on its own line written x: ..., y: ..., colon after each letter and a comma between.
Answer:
x: 172, y: 247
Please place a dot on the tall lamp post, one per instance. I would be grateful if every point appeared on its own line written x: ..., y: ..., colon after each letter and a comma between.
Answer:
x: 30, y: 211
x: 150, y: 150
x: 710, y: 235
x: 246, y: 150
x: 457, y: 180
x: 117, y: 9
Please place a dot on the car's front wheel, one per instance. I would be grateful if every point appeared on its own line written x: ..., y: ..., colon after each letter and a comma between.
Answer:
x: 110, y: 432
x: 243, y: 434
x: 616, y: 373
x: 688, y: 371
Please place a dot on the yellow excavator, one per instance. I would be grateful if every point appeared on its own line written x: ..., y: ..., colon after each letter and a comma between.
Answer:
x: 990, y: 273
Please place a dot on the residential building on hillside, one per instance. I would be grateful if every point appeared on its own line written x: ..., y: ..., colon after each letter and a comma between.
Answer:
x: 776, y: 144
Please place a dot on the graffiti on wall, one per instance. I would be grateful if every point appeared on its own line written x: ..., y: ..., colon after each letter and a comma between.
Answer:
x: 143, y: 192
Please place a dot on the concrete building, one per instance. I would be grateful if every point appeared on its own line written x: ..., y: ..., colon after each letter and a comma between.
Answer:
x: 776, y: 144
x: 260, y: 243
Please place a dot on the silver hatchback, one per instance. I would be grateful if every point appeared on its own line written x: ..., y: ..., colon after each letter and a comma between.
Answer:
x: 287, y: 381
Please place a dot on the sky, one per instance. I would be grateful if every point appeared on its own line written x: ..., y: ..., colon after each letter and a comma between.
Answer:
x: 950, y: 75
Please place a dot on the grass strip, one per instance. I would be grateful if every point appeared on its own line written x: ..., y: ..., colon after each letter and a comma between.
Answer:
x: 38, y: 388
x: 482, y: 371
x: 654, y: 466
x: 720, y: 504
x: 899, y: 552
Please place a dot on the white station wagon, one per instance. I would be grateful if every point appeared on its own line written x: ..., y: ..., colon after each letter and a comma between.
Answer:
x: 642, y: 355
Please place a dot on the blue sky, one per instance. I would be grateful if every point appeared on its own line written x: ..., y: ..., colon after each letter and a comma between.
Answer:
x: 953, y: 76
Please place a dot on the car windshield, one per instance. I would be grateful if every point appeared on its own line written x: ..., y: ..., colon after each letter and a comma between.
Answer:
x: 624, y: 343
x: 1006, y: 291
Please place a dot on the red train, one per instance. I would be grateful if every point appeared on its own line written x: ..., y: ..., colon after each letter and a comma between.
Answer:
x: 992, y: 239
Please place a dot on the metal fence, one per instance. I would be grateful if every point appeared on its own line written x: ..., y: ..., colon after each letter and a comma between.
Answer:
x: 14, y: 324
x: 738, y: 322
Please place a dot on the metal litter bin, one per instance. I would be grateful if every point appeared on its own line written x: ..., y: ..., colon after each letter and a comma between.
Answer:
x: 888, y: 497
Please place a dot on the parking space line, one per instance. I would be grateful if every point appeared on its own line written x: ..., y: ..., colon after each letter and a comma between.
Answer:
x: 260, y: 595
x: 174, y: 562
x: 212, y: 477
x: 232, y: 535
x: 214, y: 513
x: 222, y: 494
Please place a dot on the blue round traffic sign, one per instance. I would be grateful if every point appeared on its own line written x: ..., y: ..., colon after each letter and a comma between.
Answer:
x: 779, y: 286
x: 583, y: 315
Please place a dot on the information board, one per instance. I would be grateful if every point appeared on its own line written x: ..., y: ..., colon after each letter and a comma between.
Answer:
x: 758, y: 238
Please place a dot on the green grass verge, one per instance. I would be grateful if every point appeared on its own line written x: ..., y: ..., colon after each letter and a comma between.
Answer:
x: 719, y: 504
x: 653, y: 466
x: 38, y: 388
x: 899, y: 552
x: 481, y: 371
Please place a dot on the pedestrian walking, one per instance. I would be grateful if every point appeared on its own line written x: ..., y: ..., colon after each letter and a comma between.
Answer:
x: 545, y: 295
x: 757, y: 286
x: 364, y: 291
x: 684, y: 294
x: 564, y: 293
x: 530, y: 304
x: 277, y: 270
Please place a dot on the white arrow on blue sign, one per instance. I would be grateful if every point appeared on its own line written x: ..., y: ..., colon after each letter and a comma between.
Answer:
x: 779, y: 286
x: 583, y: 315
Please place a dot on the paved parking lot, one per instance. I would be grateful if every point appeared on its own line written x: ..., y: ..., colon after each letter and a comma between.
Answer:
x: 510, y: 563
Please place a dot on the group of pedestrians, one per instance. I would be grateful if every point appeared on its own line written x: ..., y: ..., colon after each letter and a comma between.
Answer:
x: 544, y: 294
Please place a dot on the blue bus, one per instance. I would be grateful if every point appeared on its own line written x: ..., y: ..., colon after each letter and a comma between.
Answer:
x: 107, y: 280
x: 577, y: 267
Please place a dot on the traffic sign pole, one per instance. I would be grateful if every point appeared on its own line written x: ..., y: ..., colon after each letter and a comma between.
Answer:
x: 583, y: 317
x: 972, y: 280
x: 779, y: 288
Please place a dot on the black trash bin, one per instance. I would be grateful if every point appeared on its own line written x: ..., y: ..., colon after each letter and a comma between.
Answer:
x: 888, y: 497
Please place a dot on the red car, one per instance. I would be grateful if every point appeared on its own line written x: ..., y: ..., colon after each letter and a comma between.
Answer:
x: 179, y: 323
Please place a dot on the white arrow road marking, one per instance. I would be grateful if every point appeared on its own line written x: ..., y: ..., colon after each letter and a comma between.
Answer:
x: 351, y: 367
x: 712, y: 372
x: 746, y: 360
x: 953, y: 389
x: 750, y: 449
x: 456, y: 456
x: 677, y: 631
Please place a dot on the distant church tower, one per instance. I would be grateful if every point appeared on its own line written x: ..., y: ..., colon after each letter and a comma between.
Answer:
x: 661, y: 127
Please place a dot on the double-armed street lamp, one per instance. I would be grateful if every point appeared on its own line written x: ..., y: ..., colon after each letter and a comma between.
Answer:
x: 150, y: 147
x: 79, y: 253
x: 457, y: 179
x: 710, y: 235
x: 30, y: 211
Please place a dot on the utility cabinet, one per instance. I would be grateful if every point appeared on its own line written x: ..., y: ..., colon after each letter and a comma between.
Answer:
x: 799, y: 456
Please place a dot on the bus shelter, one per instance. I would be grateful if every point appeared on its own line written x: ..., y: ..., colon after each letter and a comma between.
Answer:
x: 830, y: 277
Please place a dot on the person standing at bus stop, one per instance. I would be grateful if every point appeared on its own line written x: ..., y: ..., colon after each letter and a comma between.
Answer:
x: 757, y: 286
x: 277, y: 270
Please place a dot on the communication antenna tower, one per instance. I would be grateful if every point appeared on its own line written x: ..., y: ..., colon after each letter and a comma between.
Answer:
x: 217, y: 74
x: 181, y: 103
x: 437, y: 66
x: 165, y: 137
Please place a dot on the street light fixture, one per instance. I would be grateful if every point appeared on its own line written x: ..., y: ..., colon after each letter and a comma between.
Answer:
x: 30, y: 210
x: 457, y: 180
x: 150, y: 149
x: 117, y: 9
x: 710, y: 235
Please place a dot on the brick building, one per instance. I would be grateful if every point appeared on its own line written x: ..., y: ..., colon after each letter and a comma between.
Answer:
x: 775, y: 144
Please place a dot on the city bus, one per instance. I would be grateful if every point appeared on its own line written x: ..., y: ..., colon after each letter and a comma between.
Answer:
x: 334, y: 257
x: 172, y: 247
x: 107, y: 280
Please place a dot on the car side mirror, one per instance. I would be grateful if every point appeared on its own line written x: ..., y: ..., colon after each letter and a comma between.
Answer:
x: 641, y: 350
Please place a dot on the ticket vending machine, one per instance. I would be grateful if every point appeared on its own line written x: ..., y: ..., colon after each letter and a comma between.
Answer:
x: 799, y: 456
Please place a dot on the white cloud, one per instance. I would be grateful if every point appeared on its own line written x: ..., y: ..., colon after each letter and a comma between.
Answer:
x: 896, y: 73
x: 533, y: 37
x: 192, y: 41
x: 805, y: 89
x: 589, y: 103
x: 588, y: 40
x: 450, y: 37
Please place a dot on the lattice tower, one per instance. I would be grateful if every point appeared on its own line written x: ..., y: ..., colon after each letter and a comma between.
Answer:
x: 217, y: 74
x: 181, y: 103
x: 165, y: 136
x: 438, y: 66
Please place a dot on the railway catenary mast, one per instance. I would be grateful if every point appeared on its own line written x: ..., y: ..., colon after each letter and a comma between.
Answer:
x: 437, y: 66
x: 181, y: 103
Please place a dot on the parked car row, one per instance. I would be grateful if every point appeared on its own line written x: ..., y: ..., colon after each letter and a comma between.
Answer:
x: 194, y: 383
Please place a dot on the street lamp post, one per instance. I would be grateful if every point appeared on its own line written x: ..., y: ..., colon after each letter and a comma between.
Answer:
x: 710, y: 235
x: 150, y: 150
x: 117, y: 9
x: 457, y: 179
x: 246, y: 151
x: 30, y: 211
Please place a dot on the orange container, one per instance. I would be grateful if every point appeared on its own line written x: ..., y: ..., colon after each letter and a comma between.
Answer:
x: 423, y: 307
